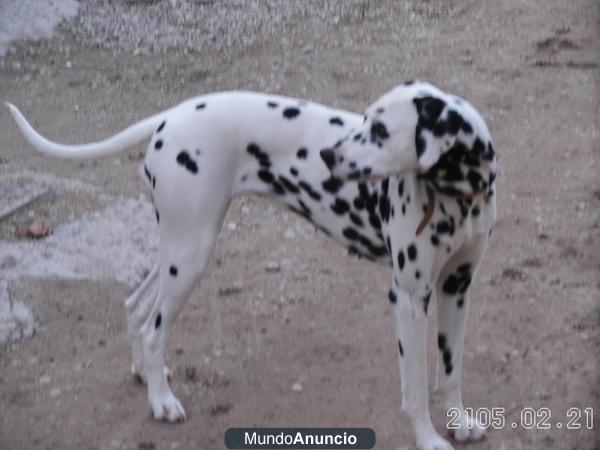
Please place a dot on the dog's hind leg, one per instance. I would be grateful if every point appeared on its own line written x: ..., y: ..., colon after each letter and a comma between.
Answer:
x: 138, y: 306
x: 452, y: 291
x: 187, y: 237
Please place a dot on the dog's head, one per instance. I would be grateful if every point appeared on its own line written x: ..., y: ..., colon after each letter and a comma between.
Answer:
x: 418, y: 128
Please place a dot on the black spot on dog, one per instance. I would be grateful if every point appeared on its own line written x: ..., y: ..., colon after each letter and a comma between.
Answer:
x: 309, y: 190
x: 294, y: 171
x: 476, y: 181
x: 184, y: 159
x: 358, y: 203
x: 450, y: 286
x: 401, y: 260
x: 158, y: 321
x: 426, y: 302
x: 291, y: 113
x: 446, y: 353
x: 336, y: 121
x: 374, y: 221
x: 384, y: 207
x: 441, y: 341
x: 445, y: 226
x: 417, y: 274
x: 173, y: 271
x: 305, y: 209
x: 429, y: 110
x: 333, y: 184
x: 350, y: 233
x: 266, y: 176
x: 460, y: 302
x: 262, y: 157
x: 489, y: 152
x: 157, y: 216
x: 200, y: 106
x: 357, y: 137
x: 272, y: 104
x: 340, y: 207
x: 400, y: 349
x: 278, y: 188
x: 412, y: 252
x: 288, y: 184
x: 435, y: 240
x: 147, y: 173
x: 458, y: 282
x: 158, y: 144
x: 356, y: 219
x: 302, y: 153
x: 379, y: 131
x: 392, y: 296
x: 374, y: 250
x: 161, y: 126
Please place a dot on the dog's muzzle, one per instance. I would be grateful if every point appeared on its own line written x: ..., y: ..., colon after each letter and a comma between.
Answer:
x: 328, y: 157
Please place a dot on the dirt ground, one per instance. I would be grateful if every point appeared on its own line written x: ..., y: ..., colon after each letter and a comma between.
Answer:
x: 249, y: 333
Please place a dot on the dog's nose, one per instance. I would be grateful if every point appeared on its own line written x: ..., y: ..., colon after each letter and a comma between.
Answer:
x: 329, y: 157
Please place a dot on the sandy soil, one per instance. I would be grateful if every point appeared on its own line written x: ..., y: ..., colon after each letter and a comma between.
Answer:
x: 322, y: 319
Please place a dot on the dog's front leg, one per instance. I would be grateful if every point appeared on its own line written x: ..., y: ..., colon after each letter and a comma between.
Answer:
x: 453, y: 299
x: 411, y: 321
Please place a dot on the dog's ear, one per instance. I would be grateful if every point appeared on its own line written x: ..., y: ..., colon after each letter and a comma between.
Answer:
x: 454, y: 147
x: 436, y: 130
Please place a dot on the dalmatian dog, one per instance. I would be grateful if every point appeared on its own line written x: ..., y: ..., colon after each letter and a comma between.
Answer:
x: 409, y: 184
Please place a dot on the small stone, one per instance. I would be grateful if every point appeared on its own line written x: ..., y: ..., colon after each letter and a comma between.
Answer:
x: 44, y: 379
x: 231, y: 226
x: 55, y: 392
x: 273, y: 266
x: 297, y: 387
x: 68, y: 64
x: 8, y: 262
x: 581, y: 206
x: 190, y: 372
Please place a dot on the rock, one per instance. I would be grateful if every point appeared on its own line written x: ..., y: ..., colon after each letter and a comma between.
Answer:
x: 297, y: 387
x: 16, y: 321
x: 190, y: 372
x: 273, y: 266
x: 45, y: 379
x: 9, y: 262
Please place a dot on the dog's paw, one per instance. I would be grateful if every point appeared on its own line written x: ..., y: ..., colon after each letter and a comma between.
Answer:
x: 167, y: 408
x: 434, y: 441
x: 467, y: 429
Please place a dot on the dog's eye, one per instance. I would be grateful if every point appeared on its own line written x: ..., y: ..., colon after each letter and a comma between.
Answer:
x: 379, y: 130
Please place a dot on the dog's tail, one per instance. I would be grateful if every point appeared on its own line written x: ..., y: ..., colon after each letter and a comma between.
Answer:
x: 135, y: 134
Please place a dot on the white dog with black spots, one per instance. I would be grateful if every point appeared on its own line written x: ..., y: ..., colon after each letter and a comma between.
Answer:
x: 409, y: 184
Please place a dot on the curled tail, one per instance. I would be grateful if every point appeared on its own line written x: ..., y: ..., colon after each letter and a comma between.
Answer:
x: 130, y: 136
